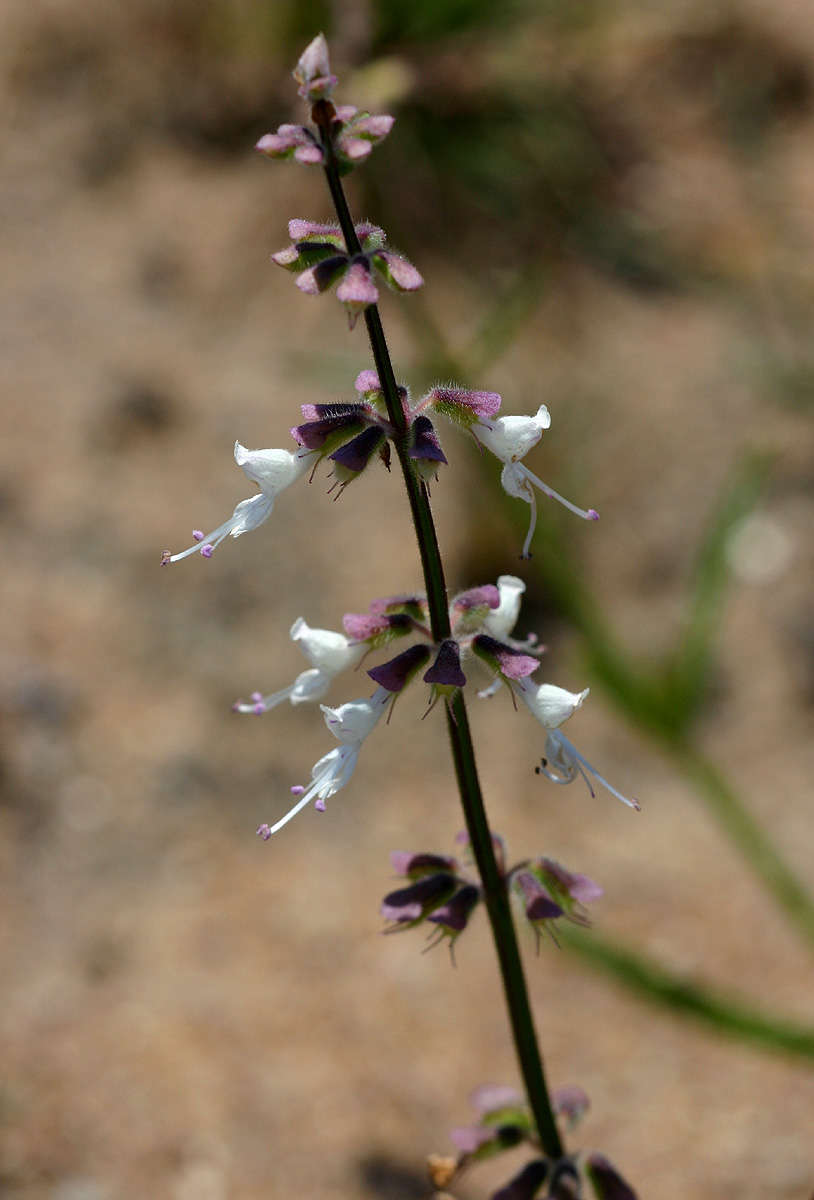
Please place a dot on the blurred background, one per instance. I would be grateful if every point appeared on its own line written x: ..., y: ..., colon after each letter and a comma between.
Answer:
x: 613, y: 207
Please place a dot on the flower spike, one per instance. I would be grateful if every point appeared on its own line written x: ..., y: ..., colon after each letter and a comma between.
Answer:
x: 273, y: 471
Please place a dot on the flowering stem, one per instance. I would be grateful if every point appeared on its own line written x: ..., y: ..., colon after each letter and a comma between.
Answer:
x: 480, y: 836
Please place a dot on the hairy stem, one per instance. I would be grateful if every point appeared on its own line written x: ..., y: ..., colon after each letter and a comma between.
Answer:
x: 480, y: 836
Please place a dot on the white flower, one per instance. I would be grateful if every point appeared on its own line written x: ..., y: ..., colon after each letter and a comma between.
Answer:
x: 501, y: 621
x: 329, y: 652
x: 273, y: 471
x: 510, y: 439
x: 563, y: 762
x: 351, y: 723
x: 551, y: 705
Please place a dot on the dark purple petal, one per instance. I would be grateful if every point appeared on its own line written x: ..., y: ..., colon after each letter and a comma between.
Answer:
x: 607, y: 1183
x: 314, y: 434
x: 446, y: 670
x: 455, y: 914
x: 409, y: 904
x: 539, y: 905
x: 424, y: 442
x: 397, y: 673
x: 320, y: 412
x: 355, y: 455
x: 405, y: 862
x: 328, y: 271
x: 511, y: 663
x: 526, y: 1184
x: 542, y: 908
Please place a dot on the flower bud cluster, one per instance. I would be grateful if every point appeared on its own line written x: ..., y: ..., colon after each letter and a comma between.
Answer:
x: 504, y: 1122
x: 348, y: 134
x: 321, y: 259
x: 444, y: 894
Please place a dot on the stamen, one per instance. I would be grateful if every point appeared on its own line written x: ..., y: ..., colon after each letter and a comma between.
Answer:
x: 262, y: 704
x: 526, y: 552
x: 197, y: 535
x: 589, y: 514
x: 494, y: 686
x: 582, y: 765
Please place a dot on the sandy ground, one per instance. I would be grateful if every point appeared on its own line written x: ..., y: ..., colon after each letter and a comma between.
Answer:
x: 190, y: 1013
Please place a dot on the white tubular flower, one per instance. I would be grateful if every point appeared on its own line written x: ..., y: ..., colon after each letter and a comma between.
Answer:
x: 510, y: 439
x: 325, y: 649
x: 501, y: 621
x: 273, y: 471
x: 350, y: 723
x: 551, y: 705
x: 329, y: 652
x: 563, y: 762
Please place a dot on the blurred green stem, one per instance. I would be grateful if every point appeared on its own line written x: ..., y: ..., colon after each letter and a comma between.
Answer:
x: 654, y: 982
x: 745, y: 832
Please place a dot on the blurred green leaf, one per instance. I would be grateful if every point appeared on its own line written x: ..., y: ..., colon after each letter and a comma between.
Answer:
x: 724, y: 1013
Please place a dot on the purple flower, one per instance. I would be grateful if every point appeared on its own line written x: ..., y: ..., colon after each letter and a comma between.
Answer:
x: 319, y: 254
x: 452, y: 918
x: 397, y: 673
x: 425, y: 448
x: 445, y: 673
x: 353, y: 134
x: 508, y: 663
x: 540, y: 907
x: 409, y: 905
x: 292, y: 141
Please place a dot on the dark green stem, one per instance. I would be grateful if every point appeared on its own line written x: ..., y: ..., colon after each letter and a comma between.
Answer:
x: 480, y: 836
